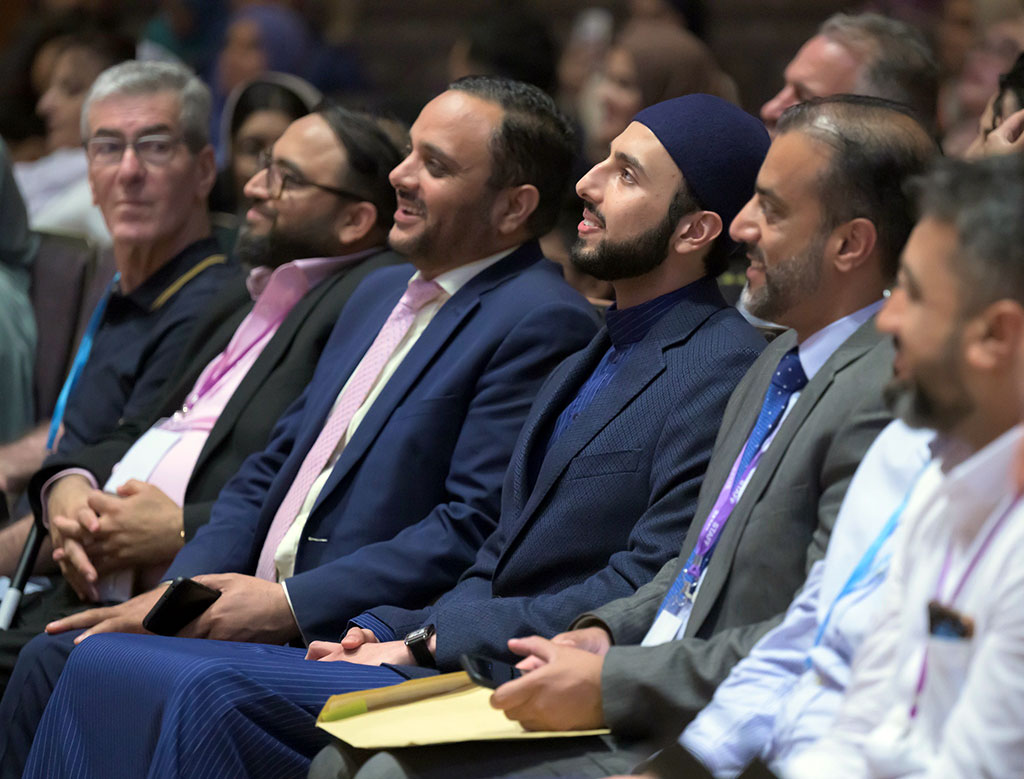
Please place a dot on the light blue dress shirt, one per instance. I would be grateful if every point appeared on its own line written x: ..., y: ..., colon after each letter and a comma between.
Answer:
x: 784, y: 694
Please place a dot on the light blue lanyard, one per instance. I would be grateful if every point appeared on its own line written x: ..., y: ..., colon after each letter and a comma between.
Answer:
x: 81, y: 357
x: 868, y: 560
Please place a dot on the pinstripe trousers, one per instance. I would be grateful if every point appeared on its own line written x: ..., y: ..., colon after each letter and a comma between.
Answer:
x: 135, y: 706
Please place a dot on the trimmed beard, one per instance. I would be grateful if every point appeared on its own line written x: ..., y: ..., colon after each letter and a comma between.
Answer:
x: 277, y: 247
x: 786, y: 283
x: 611, y: 261
x: 913, y: 401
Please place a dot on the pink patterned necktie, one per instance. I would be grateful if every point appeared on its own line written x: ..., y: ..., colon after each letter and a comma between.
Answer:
x: 418, y: 294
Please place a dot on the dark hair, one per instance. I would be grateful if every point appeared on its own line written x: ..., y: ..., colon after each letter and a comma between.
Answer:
x: 876, y: 145
x: 684, y: 202
x: 983, y: 201
x: 110, y: 48
x: 534, y: 144
x: 1010, y: 82
x: 371, y: 157
x: 266, y: 96
x: 900, y: 65
x: 513, y: 43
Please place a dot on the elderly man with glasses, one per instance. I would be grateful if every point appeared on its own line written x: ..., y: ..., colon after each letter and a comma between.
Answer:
x: 308, y: 246
x: 150, y: 168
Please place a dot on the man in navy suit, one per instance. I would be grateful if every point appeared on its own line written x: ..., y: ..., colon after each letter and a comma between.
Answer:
x: 434, y: 389
x: 601, y: 486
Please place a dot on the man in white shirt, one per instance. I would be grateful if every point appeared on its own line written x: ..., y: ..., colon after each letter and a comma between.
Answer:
x: 785, y: 693
x: 938, y: 686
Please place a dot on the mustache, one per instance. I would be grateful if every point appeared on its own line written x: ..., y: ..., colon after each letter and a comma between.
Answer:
x: 752, y: 253
x: 595, y: 211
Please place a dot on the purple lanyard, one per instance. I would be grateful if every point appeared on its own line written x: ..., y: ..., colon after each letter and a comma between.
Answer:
x: 959, y: 588
x: 717, y: 518
x: 216, y: 371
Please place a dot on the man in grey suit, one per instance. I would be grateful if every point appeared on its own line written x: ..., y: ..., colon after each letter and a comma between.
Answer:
x: 823, y: 233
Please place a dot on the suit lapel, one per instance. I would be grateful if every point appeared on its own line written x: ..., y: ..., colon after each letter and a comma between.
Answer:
x: 863, y: 339
x: 275, y: 350
x: 553, y: 397
x: 644, y: 365
x: 425, y: 351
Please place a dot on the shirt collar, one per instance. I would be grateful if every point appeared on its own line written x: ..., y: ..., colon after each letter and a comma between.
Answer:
x: 307, y: 272
x: 984, y: 479
x: 453, y: 280
x: 146, y: 295
x: 815, y: 350
x: 629, y: 325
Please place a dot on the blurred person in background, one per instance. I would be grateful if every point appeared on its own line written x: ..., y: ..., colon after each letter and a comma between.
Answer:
x: 512, y: 42
x: 255, y: 115
x: 1000, y: 127
x: 56, y: 186
x: 26, y: 67
x: 647, y: 64
x: 261, y: 37
x: 861, y: 54
x: 17, y: 323
x: 999, y: 39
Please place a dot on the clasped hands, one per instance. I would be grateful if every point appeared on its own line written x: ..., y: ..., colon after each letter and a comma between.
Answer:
x: 94, y: 532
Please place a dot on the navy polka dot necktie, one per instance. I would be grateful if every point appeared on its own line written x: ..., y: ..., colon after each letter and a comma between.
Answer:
x: 789, y: 378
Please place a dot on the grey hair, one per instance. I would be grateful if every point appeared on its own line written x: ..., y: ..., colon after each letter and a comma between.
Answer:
x: 135, y: 78
x: 983, y: 202
x: 900, y: 65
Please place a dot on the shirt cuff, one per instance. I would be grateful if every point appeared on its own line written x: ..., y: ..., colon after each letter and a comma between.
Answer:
x: 44, y: 493
x: 367, y: 621
x: 287, y: 597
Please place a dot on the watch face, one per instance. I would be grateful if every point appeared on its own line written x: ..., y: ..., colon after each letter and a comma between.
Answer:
x: 418, y: 635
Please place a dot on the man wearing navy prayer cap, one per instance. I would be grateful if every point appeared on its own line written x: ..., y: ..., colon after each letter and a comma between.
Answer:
x: 599, y: 493
x: 823, y: 233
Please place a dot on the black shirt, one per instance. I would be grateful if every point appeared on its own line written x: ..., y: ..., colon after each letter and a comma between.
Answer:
x: 139, y: 341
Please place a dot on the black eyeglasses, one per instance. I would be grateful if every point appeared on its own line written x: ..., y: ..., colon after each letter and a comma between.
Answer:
x: 280, y: 178
x: 156, y: 150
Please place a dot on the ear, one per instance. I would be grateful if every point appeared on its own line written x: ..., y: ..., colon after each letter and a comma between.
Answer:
x: 994, y: 337
x: 206, y: 171
x: 695, y: 231
x: 355, y: 222
x: 513, y: 208
x: 853, y: 243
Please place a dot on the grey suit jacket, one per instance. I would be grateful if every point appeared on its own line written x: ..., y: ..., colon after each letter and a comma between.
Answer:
x: 777, y: 531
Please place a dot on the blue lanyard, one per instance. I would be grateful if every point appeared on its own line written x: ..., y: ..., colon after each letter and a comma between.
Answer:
x: 81, y: 357
x: 868, y: 560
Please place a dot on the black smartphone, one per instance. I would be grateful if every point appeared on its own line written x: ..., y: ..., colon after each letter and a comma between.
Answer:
x: 487, y: 672
x: 183, y: 601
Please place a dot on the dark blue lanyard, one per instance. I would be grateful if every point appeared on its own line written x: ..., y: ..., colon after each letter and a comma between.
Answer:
x: 81, y: 357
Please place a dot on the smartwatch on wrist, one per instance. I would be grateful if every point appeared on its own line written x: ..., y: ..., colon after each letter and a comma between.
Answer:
x: 418, y: 641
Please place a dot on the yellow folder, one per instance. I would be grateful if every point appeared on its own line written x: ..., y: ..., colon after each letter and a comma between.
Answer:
x: 435, y: 710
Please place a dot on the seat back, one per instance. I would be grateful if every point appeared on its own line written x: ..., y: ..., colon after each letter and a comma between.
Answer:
x: 63, y: 269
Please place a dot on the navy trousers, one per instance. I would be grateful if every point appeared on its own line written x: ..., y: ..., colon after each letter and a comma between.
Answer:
x: 131, y: 705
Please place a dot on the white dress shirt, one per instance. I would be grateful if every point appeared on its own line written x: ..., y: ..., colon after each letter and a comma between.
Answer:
x: 969, y: 715
x: 785, y: 693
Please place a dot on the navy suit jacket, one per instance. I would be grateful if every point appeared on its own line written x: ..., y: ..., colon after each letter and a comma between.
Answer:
x: 613, y: 496
x: 416, y: 490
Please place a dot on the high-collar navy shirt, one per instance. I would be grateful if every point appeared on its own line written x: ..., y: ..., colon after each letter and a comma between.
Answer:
x: 140, y: 339
x: 626, y: 328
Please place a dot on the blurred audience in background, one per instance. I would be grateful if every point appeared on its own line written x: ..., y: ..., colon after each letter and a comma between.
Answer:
x: 997, y: 37
x: 647, y: 63
x: 56, y: 186
x: 254, y: 117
